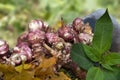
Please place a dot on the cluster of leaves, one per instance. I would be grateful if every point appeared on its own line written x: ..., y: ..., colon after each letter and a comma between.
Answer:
x: 30, y: 72
x: 100, y: 63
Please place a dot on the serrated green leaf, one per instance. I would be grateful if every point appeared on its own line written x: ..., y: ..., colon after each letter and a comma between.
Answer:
x: 92, y: 53
x: 108, y: 67
x: 112, y: 59
x: 103, y: 33
x: 95, y: 73
x: 78, y: 56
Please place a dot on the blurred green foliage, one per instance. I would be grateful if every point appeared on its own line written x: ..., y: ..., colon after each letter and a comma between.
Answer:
x: 15, y: 14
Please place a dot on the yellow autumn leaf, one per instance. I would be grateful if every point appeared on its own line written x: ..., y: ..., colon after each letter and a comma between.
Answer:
x: 46, y: 63
x: 24, y: 75
x: 45, y: 68
x: 22, y: 67
x: 37, y: 79
x: 43, y: 75
x: 8, y: 71
x: 45, y: 71
x: 9, y: 76
x: 7, y: 68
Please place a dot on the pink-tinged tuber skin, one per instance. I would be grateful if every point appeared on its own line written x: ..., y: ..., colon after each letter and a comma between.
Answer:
x: 22, y: 38
x: 43, y: 41
x: 87, y: 29
x: 77, y: 24
x: 66, y: 33
x: 24, y: 50
x: 14, y: 60
x: 36, y: 40
x: 4, y: 48
x: 55, y: 40
x: 52, y: 37
x: 37, y: 25
x: 67, y: 48
x: 36, y: 37
x: 21, y: 53
x: 85, y: 38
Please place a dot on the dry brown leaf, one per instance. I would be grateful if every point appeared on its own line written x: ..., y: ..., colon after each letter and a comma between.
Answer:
x: 46, y: 63
x: 45, y: 69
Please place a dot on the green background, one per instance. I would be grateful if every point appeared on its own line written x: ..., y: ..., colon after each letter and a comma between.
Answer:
x: 16, y: 14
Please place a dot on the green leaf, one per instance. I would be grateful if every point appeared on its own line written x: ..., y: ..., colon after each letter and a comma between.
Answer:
x: 95, y: 73
x: 103, y: 33
x: 111, y: 59
x: 112, y: 75
x: 92, y: 53
x: 117, y: 73
x: 109, y: 75
x: 108, y: 67
x: 78, y: 56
